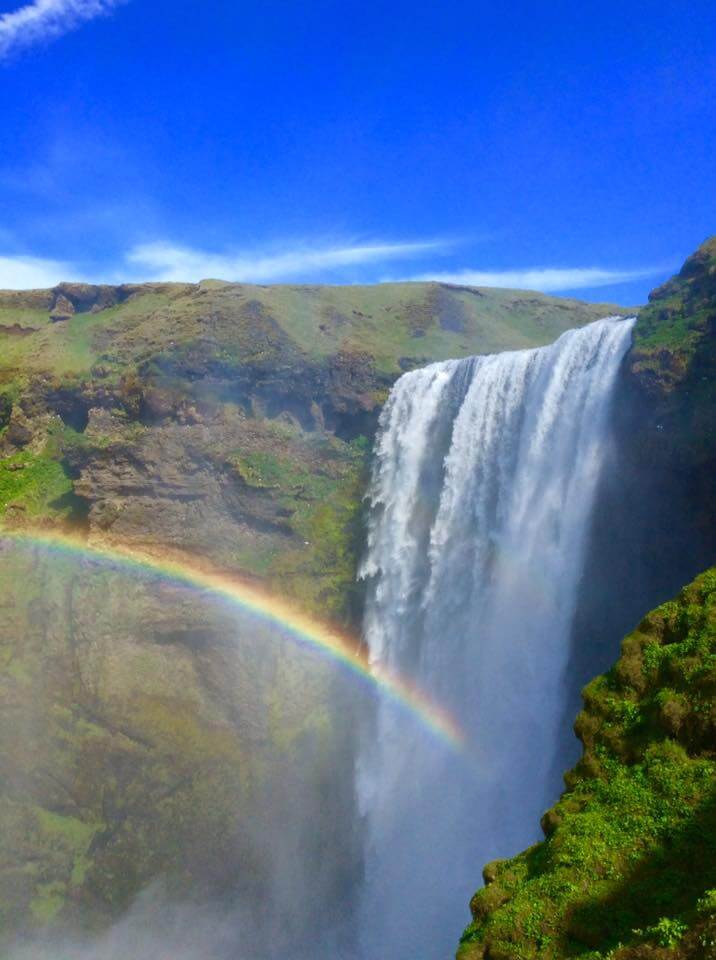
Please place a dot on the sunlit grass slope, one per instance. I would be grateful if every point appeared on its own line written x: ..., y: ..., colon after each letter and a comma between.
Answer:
x: 243, y: 323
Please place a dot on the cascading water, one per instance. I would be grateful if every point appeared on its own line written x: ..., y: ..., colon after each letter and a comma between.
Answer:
x: 484, y: 481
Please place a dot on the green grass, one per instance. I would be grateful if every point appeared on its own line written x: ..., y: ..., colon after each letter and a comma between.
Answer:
x: 69, y: 348
x: 392, y: 320
x: 678, y: 317
x: 22, y: 317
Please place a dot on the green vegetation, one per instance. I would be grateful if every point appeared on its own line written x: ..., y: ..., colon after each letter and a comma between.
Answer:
x: 628, y: 869
x: 238, y: 324
x: 33, y: 485
x: 31, y: 344
x: 328, y: 518
x: 679, y: 318
x: 320, y: 498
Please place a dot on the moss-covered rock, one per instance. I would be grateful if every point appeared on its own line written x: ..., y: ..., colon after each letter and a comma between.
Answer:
x: 628, y: 869
x: 654, y: 523
x: 672, y: 393
x: 680, y: 316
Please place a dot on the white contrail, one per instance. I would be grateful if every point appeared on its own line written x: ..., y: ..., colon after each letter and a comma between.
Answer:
x: 46, y: 19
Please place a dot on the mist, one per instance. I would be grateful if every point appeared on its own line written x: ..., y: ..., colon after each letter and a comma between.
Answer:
x: 224, y: 745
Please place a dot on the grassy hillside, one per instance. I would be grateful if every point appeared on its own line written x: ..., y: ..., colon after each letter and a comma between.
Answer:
x: 243, y: 323
x: 628, y: 869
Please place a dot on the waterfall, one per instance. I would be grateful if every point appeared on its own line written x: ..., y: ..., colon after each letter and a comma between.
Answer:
x: 484, y: 481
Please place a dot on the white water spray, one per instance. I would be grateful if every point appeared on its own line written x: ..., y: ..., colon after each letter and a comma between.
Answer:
x: 484, y: 482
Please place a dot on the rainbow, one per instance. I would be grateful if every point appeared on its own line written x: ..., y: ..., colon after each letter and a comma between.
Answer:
x: 261, y: 605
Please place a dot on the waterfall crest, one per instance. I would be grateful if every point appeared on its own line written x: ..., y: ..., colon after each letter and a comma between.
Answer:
x: 484, y: 480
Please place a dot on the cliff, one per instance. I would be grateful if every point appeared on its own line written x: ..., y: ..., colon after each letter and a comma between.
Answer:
x: 672, y: 367
x: 628, y: 869
x: 145, y: 731
x: 654, y: 524
x: 228, y: 419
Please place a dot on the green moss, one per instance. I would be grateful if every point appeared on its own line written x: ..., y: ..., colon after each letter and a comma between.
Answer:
x: 265, y: 470
x: 47, y: 902
x: 70, y: 829
x: 325, y: 509
x: 631, y: 853
x: 32, y: 485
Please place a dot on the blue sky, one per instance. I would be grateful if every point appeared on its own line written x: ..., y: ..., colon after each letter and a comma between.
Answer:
x: 560, y: 146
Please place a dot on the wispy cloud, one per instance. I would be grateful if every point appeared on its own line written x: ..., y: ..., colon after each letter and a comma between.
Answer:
x: 162, y: 261
x: 303, y: 263
x: 30, y: 273
x: 45, y: 20
x: 545, y: 279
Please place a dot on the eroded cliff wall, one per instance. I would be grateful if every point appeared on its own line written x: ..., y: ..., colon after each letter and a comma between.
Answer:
x: 146, y: 732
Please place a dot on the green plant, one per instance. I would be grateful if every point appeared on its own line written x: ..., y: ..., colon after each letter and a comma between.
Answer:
x: 667, y: 932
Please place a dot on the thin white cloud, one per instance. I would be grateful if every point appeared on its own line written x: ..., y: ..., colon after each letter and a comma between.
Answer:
x: 33, y: 273
x: 166, y: 262
x: 544, y: 279
x: 162, y: 261
x: 45, y: 20
x: 301, y: 263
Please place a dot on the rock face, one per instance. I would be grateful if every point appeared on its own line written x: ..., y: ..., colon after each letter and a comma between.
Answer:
x: 146, y: 732
x: 673, y: 376
x: 628, y: 869
x: 63, y: 309
x: 655, y: 521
